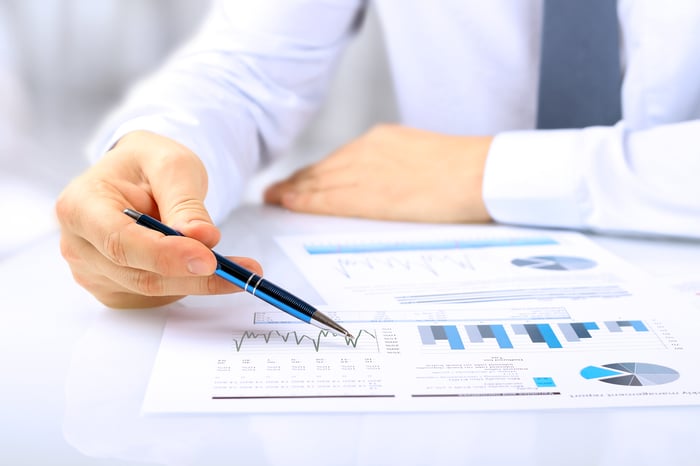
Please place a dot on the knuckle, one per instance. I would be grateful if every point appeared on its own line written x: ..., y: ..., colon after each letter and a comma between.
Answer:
x: 161, y: 262
x: 171, y: 155
x: 299, y: 200
x: 64, y: 209
x: 114, y: 249
x: 310, y: 183
x: 148, y: 283
x: 61, y: 207
x: 212, y: 284
x: 186, y: 207
x: 85, y: 280
x: 68, y: 250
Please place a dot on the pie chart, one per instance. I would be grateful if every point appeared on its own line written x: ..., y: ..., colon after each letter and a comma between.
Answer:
x: 636, y: 374
x: 555, y: 263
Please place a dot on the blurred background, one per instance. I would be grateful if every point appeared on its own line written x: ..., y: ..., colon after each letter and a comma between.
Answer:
x: 65, y: 63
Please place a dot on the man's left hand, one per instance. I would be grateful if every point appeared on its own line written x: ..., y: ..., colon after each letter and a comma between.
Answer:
x: 393, y: 173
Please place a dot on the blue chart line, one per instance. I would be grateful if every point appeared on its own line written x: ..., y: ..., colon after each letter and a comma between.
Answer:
x: 393, y: 246
x: 274, y: 336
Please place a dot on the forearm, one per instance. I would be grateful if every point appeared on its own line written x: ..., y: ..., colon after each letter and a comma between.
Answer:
x: 603, y: 179
x: 239, y: 92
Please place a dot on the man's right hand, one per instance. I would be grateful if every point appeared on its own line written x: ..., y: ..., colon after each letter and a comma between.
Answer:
x: 125, y: 265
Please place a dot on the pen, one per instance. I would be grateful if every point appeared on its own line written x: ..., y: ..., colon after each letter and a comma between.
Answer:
x: 253, y: 283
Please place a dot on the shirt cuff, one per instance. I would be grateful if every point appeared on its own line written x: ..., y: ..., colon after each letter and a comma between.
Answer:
x: 534, y: 178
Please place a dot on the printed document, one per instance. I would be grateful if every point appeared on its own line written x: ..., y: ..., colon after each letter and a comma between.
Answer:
x: 452, y: 319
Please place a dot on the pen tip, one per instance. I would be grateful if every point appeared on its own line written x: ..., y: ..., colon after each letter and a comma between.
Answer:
x: 323, y: 321
x: 132, y: 213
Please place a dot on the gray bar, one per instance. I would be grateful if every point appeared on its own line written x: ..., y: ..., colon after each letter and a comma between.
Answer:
x: 612, y: 326
x: 438, y: 332
x: 581, y: 330
x: 519, y: 329
x: 486, y: 331
x: 473, y: 333
x: 426, y: 335
x: 535, y: 335
x: 568, y: 332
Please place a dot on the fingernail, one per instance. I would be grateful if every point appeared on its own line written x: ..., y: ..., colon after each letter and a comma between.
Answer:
x: 197, y: 267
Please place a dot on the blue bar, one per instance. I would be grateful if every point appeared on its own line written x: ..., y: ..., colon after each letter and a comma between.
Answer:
x: 544, y: 382
x: 425, y: 245
x: 591, y: 326
x: 500, y: 333
x: 549, y: 336
x: 639, y: 326
x: 453, y: 337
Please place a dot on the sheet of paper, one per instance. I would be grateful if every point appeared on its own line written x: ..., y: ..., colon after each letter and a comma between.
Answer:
x: 688, y: 284
x: 459, y: 318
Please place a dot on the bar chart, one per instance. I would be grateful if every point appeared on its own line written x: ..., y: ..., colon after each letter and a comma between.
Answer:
x: 542, y: 336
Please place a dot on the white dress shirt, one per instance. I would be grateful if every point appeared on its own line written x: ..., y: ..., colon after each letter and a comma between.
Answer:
x: 244, y: 87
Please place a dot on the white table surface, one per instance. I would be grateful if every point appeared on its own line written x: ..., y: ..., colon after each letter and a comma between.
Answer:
x: 74, y: 374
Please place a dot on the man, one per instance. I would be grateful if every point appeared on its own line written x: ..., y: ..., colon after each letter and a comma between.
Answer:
x: 468, y: 84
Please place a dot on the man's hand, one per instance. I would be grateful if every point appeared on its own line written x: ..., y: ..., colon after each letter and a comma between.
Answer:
x: 124, y: 264
x: 393, y: 173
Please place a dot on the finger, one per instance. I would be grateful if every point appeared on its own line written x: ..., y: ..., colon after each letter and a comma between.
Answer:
x: 178, y: 181
x: 129, y: 288
x: 310, y: 180
x: 151, y: 284
x: 273, y: 193
x: 103, y: 278
x: 341, y: 200
x: 101, y: 222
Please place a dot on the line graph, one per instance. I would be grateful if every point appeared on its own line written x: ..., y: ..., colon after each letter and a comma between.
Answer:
x: 434, y: 264
x: 269, y: 340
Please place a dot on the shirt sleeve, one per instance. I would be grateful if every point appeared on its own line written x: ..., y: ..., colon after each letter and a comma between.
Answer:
x: 240, y: 91
x: 602, y: 179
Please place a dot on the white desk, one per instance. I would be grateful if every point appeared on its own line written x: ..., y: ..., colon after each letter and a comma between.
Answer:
x: 74, y: 375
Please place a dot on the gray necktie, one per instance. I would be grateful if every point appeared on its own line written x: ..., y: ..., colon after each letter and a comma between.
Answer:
x: 580, y: 74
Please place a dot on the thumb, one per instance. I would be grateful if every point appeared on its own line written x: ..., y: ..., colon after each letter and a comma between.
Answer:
x: 179, y: 183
